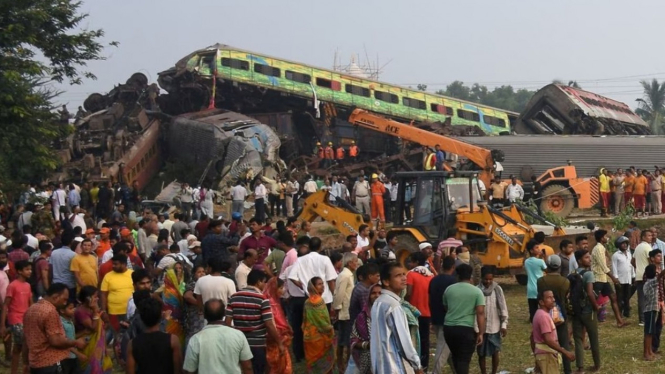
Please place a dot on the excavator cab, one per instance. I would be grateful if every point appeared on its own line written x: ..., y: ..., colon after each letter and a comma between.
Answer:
x: 433, y: 198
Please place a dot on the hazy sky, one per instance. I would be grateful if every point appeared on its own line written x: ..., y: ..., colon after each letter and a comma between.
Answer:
x: 607, y: 46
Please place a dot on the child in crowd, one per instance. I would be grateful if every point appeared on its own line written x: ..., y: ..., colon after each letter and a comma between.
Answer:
x: 17, y: 301
x: 653, y: 324
x: 70, y: 364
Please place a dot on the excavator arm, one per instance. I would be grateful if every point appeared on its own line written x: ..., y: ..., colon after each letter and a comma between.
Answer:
x: 477, y: 155
x: 345, y: 218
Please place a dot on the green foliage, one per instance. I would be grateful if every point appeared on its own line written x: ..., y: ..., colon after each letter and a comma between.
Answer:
x: 620, y: 221
x: 652, y: 105
x: 504, y: 97
x: 53, y: 31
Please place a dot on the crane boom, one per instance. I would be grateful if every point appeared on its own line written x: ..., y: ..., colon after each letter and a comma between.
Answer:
x: 479, y: 156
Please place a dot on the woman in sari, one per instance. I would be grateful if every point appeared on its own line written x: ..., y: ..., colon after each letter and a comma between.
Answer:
x: 360, y: 334
x: 174, y: 287
x: 87, y: 323
x: 318, y: 332
x: 278, y: 363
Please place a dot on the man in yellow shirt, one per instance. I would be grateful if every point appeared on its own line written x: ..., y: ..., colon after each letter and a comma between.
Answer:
x: 604, y: 192
x: 117, y: 287
x: 84, y: 266
x: 498, y: 191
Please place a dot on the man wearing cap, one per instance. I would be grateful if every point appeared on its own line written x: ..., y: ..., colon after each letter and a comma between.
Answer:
x: 195, y: 254
x: 559, y: 285
x: 426, y: 248
x: 378, y: 189
x: 624, y: 272
x: 104, y: 242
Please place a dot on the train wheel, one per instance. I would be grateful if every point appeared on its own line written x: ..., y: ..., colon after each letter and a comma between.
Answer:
x: 406, y: 244
x: 557, y: 199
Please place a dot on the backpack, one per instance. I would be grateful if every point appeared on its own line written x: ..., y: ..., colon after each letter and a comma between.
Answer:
x: 578, y: 298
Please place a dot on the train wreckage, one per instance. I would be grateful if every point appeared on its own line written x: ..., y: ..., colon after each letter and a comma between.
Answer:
x: 237, y: 114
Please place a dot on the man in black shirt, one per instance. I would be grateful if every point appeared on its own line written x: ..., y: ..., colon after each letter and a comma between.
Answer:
x: 437, y: 287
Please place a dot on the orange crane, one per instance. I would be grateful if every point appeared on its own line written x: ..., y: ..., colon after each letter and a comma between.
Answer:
x: 485, y: 159
x: 561, y: 189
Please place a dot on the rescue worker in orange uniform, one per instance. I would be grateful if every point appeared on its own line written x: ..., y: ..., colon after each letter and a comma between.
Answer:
x: 353, y: 151
x: 339, y: 154
x: 378, y: 189
x: 329, y: 155
x: 318, y: 151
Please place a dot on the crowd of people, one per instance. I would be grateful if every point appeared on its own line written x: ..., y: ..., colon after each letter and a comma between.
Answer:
x: 640, y: 188
x: 92, y: 280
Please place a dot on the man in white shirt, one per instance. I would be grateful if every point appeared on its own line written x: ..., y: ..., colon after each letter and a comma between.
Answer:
x: 245, y: 266
x: 315, y: 264
x: 335, y: 190
x: 214, y: 285
x: 260, y: 193
x: 289, y: 194
x: 360, y: 193
x: 58, y: 199
x: 33, y: 242
x: 77, y: 219
x: 238, y: 197
x: 641, y: 261
x: 514, y: 191
x: 623, y: 270
x: 310, y: 186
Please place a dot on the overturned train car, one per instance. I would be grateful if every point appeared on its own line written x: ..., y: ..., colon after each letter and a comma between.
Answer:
x: 233, y: 145
x: 560, y: 109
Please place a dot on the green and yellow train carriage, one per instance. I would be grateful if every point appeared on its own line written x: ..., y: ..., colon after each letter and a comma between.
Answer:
x: 265, y: 72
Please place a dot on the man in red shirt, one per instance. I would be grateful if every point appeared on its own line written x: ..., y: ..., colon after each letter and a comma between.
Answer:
x: 417, y: 293
x: 258, y: 241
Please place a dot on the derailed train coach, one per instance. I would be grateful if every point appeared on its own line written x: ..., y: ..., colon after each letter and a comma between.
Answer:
x: 565, y: 110
x: 229, y: 144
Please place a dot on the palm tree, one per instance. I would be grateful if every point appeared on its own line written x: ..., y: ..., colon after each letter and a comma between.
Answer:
x: 652, y: 104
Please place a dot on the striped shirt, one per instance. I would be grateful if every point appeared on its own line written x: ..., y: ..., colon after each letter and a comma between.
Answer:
x: 250, y: 311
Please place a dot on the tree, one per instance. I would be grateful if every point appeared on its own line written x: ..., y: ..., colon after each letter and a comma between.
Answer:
x: 457, y: 89
x: 52, y: 29
x: 652, y: 105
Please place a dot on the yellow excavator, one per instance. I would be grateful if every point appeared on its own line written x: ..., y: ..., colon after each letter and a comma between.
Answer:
x: 442, y: 203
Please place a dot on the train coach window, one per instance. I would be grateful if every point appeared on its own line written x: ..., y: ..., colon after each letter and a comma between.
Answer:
x: 386, y: 96
x: 494, y: 121
x: 267, y: 70
x: 298, y: 77
x: 468, y: 115
x: 234, y: 63
x: 357, y: 90
x: 441, y: 109
x: 414, y: 103
x: 327, y: 83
